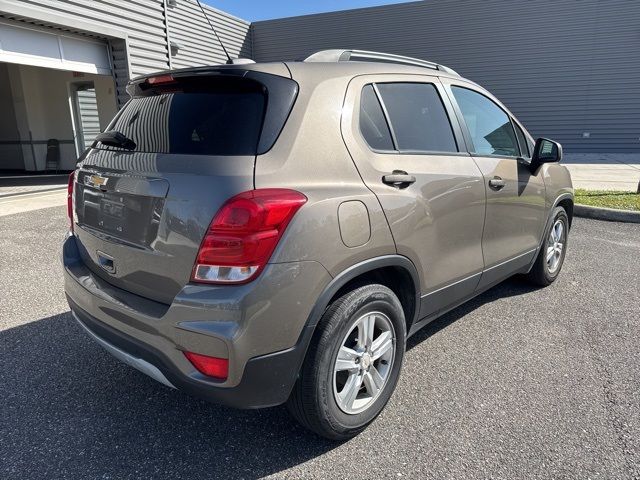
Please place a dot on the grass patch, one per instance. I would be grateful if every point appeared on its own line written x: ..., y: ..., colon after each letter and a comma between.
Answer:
x: 608, y: 199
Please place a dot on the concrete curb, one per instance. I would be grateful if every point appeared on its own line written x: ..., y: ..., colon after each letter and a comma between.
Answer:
x: 607, y: 214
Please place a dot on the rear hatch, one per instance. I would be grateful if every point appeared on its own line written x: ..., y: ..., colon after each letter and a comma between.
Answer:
x: 142, y: 206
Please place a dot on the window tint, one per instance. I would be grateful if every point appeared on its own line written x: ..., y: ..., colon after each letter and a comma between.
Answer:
x: 489, y: 126
x: 221, y: 120
x: 522, y: 140
x: 531, y: 145
x: 418, y: 117
x: 373, y: 125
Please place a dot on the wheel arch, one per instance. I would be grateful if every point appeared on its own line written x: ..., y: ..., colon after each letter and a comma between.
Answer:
x: 565, y: 201
x: 352, y: 277
x: 394, y: 271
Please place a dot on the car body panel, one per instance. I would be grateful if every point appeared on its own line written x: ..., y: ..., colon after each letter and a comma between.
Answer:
x: 558, y: 182
x: 437, y: 221
x: 235, y: 322
x: 515, y: 214
x: 310, y: 157
x: 157, y: 264
x: 434, y: 230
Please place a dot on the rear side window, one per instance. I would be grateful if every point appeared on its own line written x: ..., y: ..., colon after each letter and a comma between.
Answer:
x: 221, y: 118
x: 489, y: 126
x: 418, y: 117
x: 373, y: 125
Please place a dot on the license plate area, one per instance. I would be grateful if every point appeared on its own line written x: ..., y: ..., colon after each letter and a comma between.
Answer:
x: 112, y: 209
x: 131, y: 217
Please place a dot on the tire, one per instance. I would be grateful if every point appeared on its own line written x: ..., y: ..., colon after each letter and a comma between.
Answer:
x: 542, y: 273
x: 315, y: 396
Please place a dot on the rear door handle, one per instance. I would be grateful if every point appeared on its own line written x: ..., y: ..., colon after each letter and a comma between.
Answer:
x: 399, y: 178
x: 496, y: 183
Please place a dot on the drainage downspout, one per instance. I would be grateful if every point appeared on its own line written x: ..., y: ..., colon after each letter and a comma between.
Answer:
x: 167, y: 37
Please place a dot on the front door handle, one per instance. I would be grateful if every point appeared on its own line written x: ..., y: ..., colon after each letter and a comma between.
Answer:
x: 399, y: 179
x: 496, y: 183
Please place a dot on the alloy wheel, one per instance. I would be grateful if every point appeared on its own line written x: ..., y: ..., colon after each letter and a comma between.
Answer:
x: 555, y: 245
x: 364, y: 362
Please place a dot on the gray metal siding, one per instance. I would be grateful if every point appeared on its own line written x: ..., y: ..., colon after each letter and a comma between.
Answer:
x: 148, y: 30
x: 88, y: 113
x: 198, y: 46
x: 120, y: 64
x: 145, y: 50
x: 141, y: 19
x: 563, y: 67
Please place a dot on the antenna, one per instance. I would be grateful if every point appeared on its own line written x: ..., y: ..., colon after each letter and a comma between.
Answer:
x: 229, y: 60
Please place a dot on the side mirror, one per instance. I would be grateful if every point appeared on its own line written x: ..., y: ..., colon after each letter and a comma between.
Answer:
x: 545, y: 151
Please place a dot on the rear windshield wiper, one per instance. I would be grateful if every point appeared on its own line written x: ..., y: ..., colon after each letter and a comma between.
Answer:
x: 113, y: 138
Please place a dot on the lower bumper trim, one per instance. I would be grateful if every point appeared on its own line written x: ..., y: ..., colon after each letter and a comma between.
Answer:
x: 137, y: 363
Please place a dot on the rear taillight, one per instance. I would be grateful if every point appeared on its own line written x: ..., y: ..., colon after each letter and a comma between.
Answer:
x: 211, y: 366
x: 243, y: 235
x: 72, y: 179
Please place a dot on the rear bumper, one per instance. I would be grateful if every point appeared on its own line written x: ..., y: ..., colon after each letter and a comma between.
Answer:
x: 258, y: 327
x: 267, y: 380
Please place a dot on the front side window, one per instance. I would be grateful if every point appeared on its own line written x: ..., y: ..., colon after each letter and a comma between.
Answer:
x: 418, y: 117
x: 522, y: 140
x: 489, y: 126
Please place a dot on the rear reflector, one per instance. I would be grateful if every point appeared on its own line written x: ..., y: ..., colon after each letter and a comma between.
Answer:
x: 243, y: 235
x: 72, y: 179
x: 210, y: 366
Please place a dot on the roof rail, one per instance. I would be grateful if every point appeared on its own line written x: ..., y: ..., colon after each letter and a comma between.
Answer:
x: 342, y: 55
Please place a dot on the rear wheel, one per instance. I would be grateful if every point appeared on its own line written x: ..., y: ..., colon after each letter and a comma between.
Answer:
x: 551, y: 256
x: 352, y: 365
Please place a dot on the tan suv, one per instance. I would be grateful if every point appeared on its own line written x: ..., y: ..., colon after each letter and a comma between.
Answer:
x: 260, y: 234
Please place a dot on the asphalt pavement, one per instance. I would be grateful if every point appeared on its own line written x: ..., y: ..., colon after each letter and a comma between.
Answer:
x: 519, y: 383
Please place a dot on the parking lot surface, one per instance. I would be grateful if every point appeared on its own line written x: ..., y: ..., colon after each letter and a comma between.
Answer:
x: 518, y: 383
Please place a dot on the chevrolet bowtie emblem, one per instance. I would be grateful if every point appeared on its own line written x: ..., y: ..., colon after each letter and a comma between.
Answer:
x: 96, y: 181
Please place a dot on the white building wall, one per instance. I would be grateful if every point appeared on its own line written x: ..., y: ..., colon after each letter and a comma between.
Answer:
x: 41, y: 100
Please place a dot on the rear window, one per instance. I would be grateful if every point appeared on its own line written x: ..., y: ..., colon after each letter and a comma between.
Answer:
x: 195, y: 118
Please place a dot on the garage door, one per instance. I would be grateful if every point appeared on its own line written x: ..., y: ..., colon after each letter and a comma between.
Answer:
x: 40, y: 47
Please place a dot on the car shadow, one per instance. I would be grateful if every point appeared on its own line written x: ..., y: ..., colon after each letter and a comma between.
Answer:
x: 509, y: 288
x: 40, y: 179
x: 71, y: 410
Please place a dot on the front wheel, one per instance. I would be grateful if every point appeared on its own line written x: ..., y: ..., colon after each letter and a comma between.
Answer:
x: 352, y: 365
x: 551, y: 256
